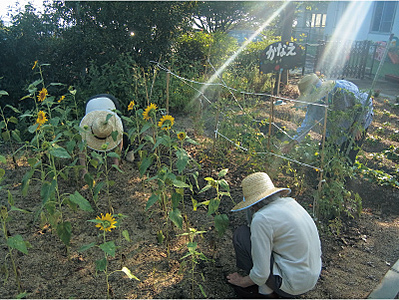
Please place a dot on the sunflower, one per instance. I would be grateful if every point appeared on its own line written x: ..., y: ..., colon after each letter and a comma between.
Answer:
x: 130, y: 106
x: 150, y: 111
x: 106, y: 222
x: 41, y: 119
x: 42, y: 95
x: 61, y: 98
x: 181, y: 135
x: 166, y: 122
x: 34, y: 65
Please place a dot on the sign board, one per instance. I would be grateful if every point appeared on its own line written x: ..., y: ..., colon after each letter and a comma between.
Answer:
x: 281, y: 55
x: 379, y: 51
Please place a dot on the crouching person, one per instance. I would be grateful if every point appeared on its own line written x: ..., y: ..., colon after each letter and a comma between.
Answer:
x: 102, y: 127
x: 280, y: 251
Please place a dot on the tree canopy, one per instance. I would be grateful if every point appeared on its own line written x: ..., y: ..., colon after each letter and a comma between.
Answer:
x: 75, y: 37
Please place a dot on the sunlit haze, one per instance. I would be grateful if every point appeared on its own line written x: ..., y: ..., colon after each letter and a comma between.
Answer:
x: 16, y: 4
x: 245, y: 44
x: 349, y: 25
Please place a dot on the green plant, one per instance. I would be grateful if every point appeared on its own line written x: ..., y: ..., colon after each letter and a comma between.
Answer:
x: 335, y: 226
x: 380, y: 130
x: 387, y: 113
x: 100, y: 163
x: 394, y: 136
x: 222, y: 188
x: 378, y: 176
x: 106, y: 224
x: 195, y: 257
x: 7, y: 133
x: 332, y: 199
x: 392, y: 153
x: 14, y: 242
x: 169, y: 161
x: 53, y: 144
x: 373, y: 140
x: 298, y: 177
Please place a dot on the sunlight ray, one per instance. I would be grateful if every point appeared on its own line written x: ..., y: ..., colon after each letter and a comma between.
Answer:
x: 243, y: 46
x: 346, y: 31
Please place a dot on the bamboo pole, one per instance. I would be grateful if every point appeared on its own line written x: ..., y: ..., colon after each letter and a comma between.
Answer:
x: 278, y: 82
x: 146, y: 89
x: 167, y: 92
x: 323, y: 141
x: 215, y: 136
x: 271, y: 116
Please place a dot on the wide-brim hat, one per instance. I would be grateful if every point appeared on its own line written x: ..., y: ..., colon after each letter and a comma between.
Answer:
x: 255, y: 188
x: 312, y: 88
x: 102, y: 130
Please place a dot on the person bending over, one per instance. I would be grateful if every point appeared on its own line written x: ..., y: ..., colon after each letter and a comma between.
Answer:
x: 349, y: 116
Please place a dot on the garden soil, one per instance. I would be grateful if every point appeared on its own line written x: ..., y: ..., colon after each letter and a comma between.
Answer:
x: 355, y: 258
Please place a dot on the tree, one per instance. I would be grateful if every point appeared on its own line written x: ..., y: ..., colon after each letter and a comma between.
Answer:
x: 212, y: 16
x: 74, y: 35
x: 109, y: 28
x: 22, y: 44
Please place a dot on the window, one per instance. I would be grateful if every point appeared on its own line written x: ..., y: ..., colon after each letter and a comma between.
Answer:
x: 318, y: 20
x: 384, y: 13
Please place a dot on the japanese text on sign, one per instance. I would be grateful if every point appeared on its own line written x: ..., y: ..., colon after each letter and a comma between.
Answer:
x: 281, y: 55
x: 280, y: 50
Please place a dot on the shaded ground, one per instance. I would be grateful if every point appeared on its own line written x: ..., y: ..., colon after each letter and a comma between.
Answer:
x: 354, y: 261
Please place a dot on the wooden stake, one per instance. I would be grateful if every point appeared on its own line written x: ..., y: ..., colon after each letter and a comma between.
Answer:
x: 146, y: 89
x: 271, y: 116
x: 167, y: 92
x: 323, y: 140
x: 214, y: 132
x: 278, y: 82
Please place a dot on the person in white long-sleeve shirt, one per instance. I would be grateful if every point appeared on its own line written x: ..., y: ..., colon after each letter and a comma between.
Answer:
x: 280, y: 251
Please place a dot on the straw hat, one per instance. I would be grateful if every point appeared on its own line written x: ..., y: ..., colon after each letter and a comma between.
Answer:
x: 312, y: 89
x: 256, y: 187
x: 99, y: 131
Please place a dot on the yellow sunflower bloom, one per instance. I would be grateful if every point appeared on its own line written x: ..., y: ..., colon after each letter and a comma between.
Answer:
x: 106, y: 223
x: 131, y: 105
x: 181, y: 135
x: 166, y: 122
x: 150, y: 111
x: 61, y: 98
x: 41, y: 119
x: 42, y: 95
x: 34, y: 65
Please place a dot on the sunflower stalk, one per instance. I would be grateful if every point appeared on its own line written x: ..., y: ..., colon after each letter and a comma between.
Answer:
x: 107, y: 223
x: 8, y: 132
x: 107, y: 183
x: 12, y: 242
x: 4, y: 217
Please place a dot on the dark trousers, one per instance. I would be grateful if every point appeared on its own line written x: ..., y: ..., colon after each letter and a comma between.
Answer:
x: 242, y: 247
x: 354, y: 147
x: 351, y: 147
